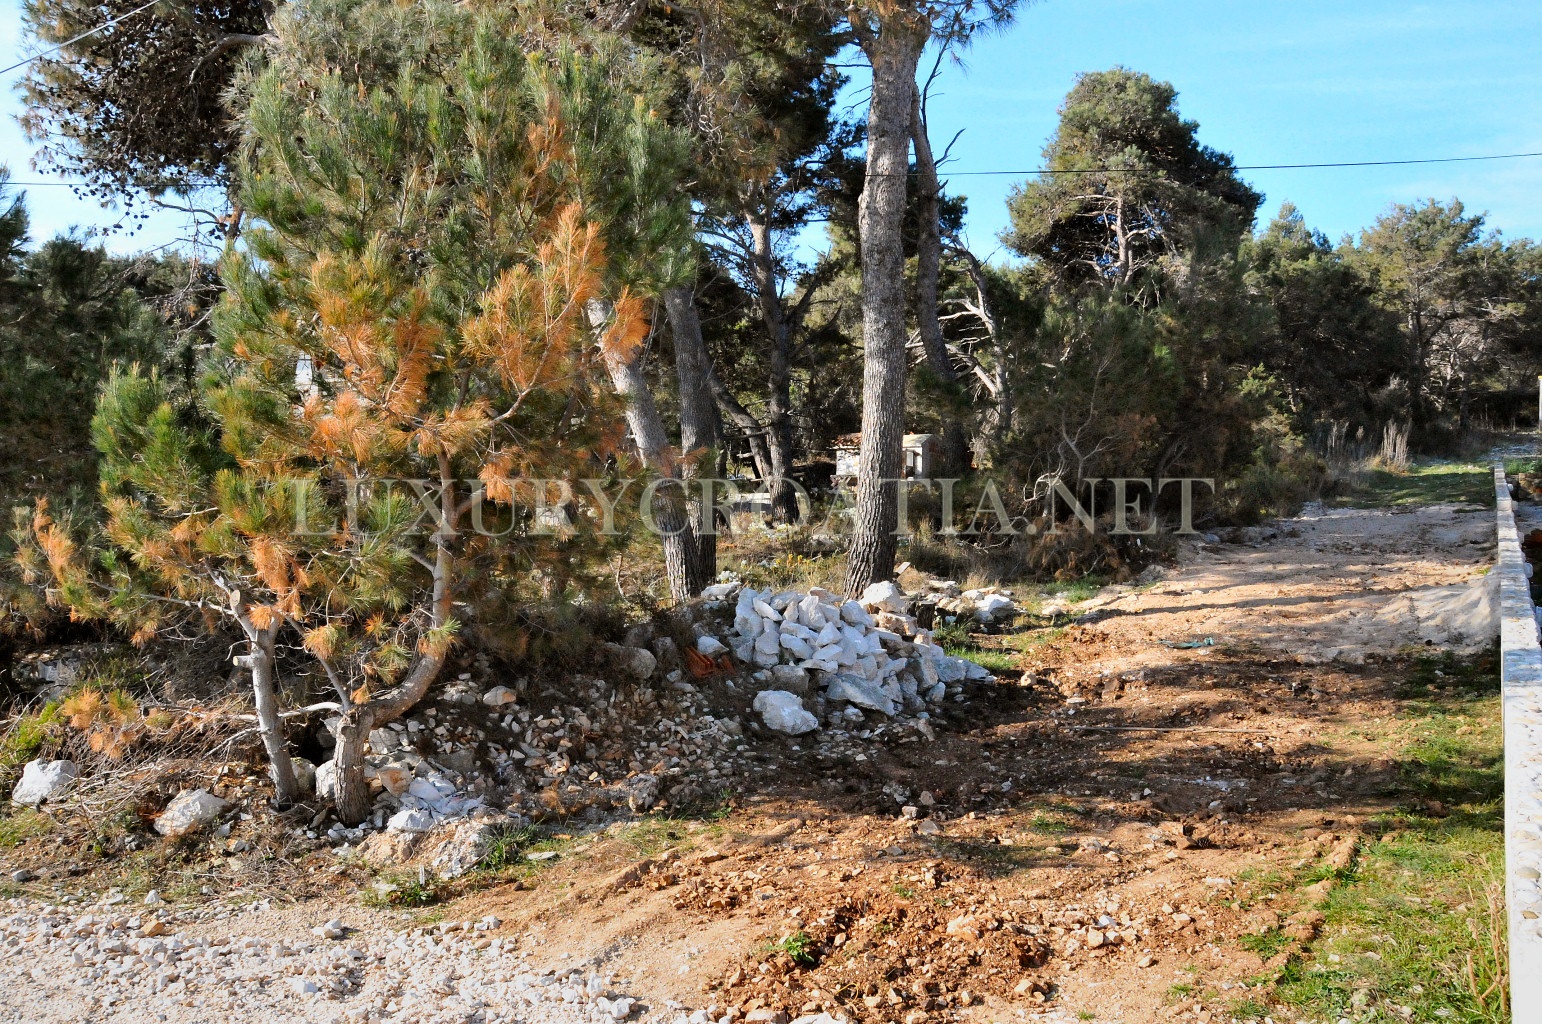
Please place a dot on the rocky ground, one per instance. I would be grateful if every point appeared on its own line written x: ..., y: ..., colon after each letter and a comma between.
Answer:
x: 1082, y: 839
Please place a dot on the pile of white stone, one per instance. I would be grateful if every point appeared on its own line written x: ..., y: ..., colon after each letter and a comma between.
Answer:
x: 868, y: 652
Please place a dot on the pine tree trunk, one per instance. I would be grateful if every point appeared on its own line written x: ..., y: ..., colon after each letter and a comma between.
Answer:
x: 784, y: 497
x: 955, y: 435
x: 352, y: 799
x: 698, y: 422
x: 893, y: 53
x: 286, y: 789
x: 669, y: 511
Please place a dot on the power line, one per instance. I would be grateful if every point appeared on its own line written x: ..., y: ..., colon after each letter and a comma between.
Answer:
x: 1075, y: 170
x: 1265, y: 167
x: 89, y: 32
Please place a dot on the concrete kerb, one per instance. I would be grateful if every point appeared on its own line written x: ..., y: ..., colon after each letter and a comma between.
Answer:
x: 1521, y: 688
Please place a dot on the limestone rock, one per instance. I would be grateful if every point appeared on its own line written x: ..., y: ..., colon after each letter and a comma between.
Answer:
x: 499, y: 696
x: 190, y: 811
x: 711, y: 646
x: 784, y: 712
x: 884, y: 596
x: 864, y: 693
x: 43, y: 780
x: 790, y: 678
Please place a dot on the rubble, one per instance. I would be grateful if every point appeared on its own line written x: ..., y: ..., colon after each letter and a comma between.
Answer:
x: 869, y: 653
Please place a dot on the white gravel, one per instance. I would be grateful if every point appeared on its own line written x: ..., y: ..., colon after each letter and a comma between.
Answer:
x: 113, y: 960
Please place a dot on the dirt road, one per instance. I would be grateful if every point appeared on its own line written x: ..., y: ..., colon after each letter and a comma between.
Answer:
x: 1097, y: 840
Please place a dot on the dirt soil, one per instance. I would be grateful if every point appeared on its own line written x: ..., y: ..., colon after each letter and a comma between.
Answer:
x: 1077, y: 841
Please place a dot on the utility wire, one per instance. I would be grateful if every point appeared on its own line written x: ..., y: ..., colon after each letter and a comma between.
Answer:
x: 89, y: 32
x: 1265, y: 167
x: 1115, y: 170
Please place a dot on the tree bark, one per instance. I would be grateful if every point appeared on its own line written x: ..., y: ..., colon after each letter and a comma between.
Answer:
x: 698, y: 422
x: 894, y: 52
x: 669, y: 511
x: 286, y: 789
x: 955, y: 435
x: 259, y: 661
x: 784, y: 497
x: 352, y: 799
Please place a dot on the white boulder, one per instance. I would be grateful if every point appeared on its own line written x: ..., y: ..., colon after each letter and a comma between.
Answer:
x: 884, y: 596
x: 189, y: 811
x: 784, y: 712
x: 864, y: 693
x: 991, y: 606
x: 711, y: 646
x: 326, y: 780
x: 43, y: 780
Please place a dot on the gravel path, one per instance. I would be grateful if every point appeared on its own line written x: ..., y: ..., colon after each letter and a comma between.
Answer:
x: 112, y: 961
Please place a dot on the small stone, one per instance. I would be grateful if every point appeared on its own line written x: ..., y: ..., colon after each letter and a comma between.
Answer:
x: 929, y: 827
x: 711, y: 646
x: 333, y: 929
x: 499, y: 696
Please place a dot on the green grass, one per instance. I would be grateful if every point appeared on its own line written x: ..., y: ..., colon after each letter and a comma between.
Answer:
x: 21, y: 826
x: 507, y: 847
x: 1048, y: 825
x: 1428, y: 484
x: 1249, y: 1009
x: 404, y: 891
x: 1266, y: 945
x: 24, y: 740
x: 1443, y: 870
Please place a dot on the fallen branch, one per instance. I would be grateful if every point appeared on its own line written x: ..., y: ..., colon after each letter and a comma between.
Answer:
x: 326, y: 705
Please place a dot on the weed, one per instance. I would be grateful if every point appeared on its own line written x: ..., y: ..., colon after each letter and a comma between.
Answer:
x: 1249, y: 1009
x: 904, y: 892
x: 24, y: 740
x: 1441, y: 866
x: 507, y: 846
x: 1180, y: 990
x: 404, y: 891
x: 798, y: 946
x: 1046, y: 825
x: 1086, y: 1015
x: 1267, y: 945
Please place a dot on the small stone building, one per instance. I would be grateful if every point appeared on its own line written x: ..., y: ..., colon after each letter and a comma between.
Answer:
x: 923, y: 455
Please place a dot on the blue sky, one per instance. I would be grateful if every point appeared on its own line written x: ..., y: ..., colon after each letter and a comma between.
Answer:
x: 1270, y: 82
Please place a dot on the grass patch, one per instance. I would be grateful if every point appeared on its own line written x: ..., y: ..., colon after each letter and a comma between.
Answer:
x: 1248, y: 1009
x: 1049, y: 825
x: 404, y: 891
x: 18, y: 828
x: 1428, y: 484
x: 1418, y: 933
x: 24, y: 740
x: 507, y: 847
x: 1266, y: 945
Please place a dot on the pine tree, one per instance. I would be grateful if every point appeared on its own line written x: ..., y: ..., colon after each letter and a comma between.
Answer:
x: 421, y: 321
